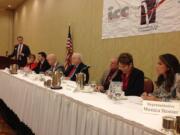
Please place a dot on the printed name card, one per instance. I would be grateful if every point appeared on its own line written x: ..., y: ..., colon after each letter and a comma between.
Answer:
x: 71, y: 86
x: 163, y: 108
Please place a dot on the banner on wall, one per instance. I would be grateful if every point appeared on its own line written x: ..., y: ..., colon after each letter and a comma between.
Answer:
x: 123, y: 18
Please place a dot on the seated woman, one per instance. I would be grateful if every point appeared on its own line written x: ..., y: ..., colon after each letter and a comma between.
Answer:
x: 31, y: 64
x: 131, y: 77
x: 168, y: 81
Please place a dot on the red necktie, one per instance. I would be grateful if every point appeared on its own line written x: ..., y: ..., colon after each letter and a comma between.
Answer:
x: 72, y: 71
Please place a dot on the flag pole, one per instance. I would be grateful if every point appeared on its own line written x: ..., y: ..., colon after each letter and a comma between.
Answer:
x: 69, y: 48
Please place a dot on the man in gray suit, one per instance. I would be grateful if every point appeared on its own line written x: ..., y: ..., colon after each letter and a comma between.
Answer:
x: 108, y: 76
x: 55, y: 66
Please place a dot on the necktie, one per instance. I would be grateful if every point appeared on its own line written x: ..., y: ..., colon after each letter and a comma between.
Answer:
x: 19, y: 51
x: 108, y: 79
x: 40, y: 66
x: 54, y: 68
x: 72, y: 71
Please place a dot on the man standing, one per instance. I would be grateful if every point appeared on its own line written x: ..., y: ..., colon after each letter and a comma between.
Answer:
x: 21, y: 52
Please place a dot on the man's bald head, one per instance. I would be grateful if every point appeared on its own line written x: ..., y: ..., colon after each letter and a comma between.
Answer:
x: 114, y: 63
x: 76, y: 58
x: 52, y: 59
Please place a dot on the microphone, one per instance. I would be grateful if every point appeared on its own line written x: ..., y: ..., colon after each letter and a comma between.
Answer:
x: 6, y: 53
x: 86, y: 67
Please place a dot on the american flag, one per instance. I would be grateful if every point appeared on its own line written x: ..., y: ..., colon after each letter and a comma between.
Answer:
x: 69, y: 49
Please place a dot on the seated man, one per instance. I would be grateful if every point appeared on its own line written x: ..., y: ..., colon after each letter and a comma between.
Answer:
x: 43, y: 64
x: 76, y: 67
x: 131, y: 77
x: 109, y: 75
x: 54, y: 65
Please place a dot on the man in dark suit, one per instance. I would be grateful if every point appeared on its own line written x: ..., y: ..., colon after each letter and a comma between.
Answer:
x: 131, y: 77
x: 43, y: 64
x: 76, y: 67
x: 21, y: 52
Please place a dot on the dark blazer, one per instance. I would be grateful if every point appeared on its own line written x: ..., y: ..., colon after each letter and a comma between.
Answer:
x: 135, y: 84
x: 25, y: 50
x: 42, y: 68
x: 78, y: 70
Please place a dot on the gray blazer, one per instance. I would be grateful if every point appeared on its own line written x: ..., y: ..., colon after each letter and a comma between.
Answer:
x: 105, y: 74
x: 58, y: 67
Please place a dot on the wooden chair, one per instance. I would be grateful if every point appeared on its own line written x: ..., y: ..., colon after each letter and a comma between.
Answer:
x: 148, y: 85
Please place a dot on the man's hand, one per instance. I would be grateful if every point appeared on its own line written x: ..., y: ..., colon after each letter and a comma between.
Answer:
x: 67, y: 78
x: 99, y: 88
x: 21, y: 54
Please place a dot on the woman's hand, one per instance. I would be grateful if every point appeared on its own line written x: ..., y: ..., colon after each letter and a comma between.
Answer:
x: 146, y: 96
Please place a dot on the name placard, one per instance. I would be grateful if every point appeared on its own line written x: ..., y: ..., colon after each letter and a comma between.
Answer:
x: 71, y: 86
x: 163, y: 108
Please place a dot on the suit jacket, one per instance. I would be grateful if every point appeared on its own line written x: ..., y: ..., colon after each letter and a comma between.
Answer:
x: 135, y: 83
x: 58, y: 67
x: 79, y: 69
x: 42, y: 68
x: 23, y: 60
x: 104, y: 77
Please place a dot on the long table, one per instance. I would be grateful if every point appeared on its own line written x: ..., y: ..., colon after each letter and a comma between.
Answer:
x: 63, y: 112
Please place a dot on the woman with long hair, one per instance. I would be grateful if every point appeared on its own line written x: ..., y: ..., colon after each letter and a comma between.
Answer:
x: 168, y: 80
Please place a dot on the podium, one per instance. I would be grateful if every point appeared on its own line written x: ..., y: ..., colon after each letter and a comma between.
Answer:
x: 6, y: 62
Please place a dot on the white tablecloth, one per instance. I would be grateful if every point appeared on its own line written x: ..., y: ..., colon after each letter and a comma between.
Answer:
x: 49, y: 112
